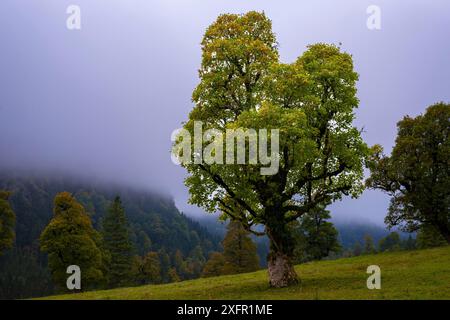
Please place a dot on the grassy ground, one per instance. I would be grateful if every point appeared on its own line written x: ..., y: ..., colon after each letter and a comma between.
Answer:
x: 421, y: 274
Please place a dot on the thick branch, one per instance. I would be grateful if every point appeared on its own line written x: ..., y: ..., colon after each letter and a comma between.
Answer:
x: 232, y: 194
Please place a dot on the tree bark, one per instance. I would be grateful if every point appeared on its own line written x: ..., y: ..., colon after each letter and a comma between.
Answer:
x: 279, y: 261
x: 281, y: 270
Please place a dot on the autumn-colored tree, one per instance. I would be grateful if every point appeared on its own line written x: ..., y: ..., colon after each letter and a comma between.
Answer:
x: 239, y: 251
x: 7, y: 222
x: 116, y: 238
x: 151, y: 268
x: 147, y: 269
x: 70, y: 239
x: 173, y: 275
x: 215, y: 265
x: 311, y: 101
x: 417, y: 174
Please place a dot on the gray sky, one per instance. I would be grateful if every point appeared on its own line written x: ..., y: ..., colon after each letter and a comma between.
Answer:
x: 102, y: 101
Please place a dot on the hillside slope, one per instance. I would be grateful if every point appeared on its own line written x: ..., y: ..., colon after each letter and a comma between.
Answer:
x: 421, y: 274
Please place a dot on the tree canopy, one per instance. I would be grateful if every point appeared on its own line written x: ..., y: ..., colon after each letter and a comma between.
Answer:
x: 417, y: 173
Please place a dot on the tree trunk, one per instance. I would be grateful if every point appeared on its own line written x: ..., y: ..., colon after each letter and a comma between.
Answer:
x: 279, y: 260
x: 281, y: 270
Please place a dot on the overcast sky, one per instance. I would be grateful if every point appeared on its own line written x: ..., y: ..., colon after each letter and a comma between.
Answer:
x: 102, y: 101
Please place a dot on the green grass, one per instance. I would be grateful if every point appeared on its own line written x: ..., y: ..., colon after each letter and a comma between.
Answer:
x: 421, y: 274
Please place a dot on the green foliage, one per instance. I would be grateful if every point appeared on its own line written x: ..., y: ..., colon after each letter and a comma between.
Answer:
x: 154, y: 223
x: 7, y: 222
x: 116, y: 238
x: 147, y: 269
x: 173, y: 275
x: 239, y: 254
x: 311, y: 101
x: 316, y: 238
x: 239, y: 251
x: 357, y: 249
x: 151, y: 268
x: 70, y: 239
x: 369, y: 247
x: 391, y: 242
x: 429, y: 237
x: 417, y: 174
x: 410, y: 243
x: 214, y: 266
x: 22, y: 275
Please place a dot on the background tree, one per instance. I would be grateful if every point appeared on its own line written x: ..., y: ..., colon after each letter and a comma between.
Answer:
x: 390, y: 243
x: 239, y: 251
x: 173, y: 275
x: 165, y: 263
x: 70, y: 239
x: 429, y: 237
x: 115, y: 231
x: 151, y: 268
x: 369, y: 247
x: 310, y: 102
x: 7, y: 222
x: 316, y: 237
x: 215, y: 265
x: 411, y: 243
x: 357, y: 249
x: 143, y: 242
x: 416, y: 175
x: 146, y: 270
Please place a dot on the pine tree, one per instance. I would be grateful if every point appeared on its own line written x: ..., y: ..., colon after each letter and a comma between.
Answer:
x: 369, y: 247
x: 7, y: 222
x: 410, y: 243
x: 390, y: 243
x: 316, y: 238
x: 70, y: 239
x: 117, y: 241
x: 240, y: 252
